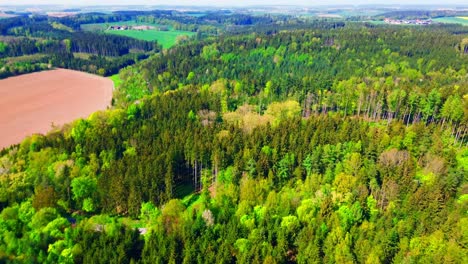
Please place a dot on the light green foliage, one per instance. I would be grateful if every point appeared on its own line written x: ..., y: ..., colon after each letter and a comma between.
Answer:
x: 372, y: 208
x: 117, y: 80
x: 210, y: 52
x: 307, y: 211
x: 68, y: 44
x: 171, y: 215
x: 346, y: 217
x: 267, y: 90
x: 290, y: 223
x: 283, y: 110
x: 3, y: 47
x: 260, y: 212
x: 452, y: 109
x: 226, y: 176
x: 83, y: 189
x: 61, y: 26
x: 307, y: 164
x: 192, y: 116
x: 88, y: 205
x: 247, y: 221
x: 462, y: 159
x: 26, y: 212
x: 149, y: 212
x: 55, y: 227
x: 190, y: 76
x: 451, y: 20
x: 242, y: 245
x: 133, y: 86
x: 43, y: 217
x: 431, y: 104
x: 133, y: 111
x: 79, y: 129
x: 166, y: 38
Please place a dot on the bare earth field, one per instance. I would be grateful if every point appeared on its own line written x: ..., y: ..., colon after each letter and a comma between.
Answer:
x: 31, y: 103
x: 3, y: 15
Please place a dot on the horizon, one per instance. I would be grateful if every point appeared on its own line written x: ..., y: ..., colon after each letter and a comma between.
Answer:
x: 232, y: 3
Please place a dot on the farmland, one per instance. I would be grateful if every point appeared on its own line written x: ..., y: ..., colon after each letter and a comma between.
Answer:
x: 166, y: 38
x: 452, y: 20
x: 4, y: 15
x: 31, y: 103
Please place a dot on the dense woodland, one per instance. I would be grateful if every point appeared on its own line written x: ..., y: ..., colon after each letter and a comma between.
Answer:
x: 336, y: 144
x: 60, y: 42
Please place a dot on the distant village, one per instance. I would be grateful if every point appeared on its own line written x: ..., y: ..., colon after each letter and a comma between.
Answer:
x: 408, y: 22
x: 140, y: 27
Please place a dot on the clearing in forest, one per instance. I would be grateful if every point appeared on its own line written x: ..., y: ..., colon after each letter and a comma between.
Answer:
x: 164, y: 35
x: 31, y: 103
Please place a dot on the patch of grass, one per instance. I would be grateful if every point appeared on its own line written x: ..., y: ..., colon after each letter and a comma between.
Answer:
x: 116, y: 79
x: 452, y: 20
x: 61, y: 26
x: 166, y: 38
x: 129, y: 222
x: 82, y: 55
x: 377, y: 22
x: 87, y: 56
x: 190, y: 199
x: 25, y: 58
x: 93, y: 27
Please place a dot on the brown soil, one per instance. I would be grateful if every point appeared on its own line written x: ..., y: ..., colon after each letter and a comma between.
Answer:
x: 32, y: 103
x: 61, y: 14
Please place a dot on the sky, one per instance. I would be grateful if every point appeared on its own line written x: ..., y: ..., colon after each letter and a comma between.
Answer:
x: 229, y: 2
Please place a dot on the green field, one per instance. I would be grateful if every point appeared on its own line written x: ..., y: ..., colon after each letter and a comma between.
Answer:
x: 452, y: 20
x: 353, y: 12
x: 376, y: 22
x: 166, y: 38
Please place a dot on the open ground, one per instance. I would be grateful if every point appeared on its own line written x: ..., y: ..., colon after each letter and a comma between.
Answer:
x: 166, y: 38
x: 32, y: 103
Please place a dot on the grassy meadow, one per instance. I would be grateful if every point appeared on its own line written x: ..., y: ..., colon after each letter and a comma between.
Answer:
x: 452, y: 20
x: 166, y: 38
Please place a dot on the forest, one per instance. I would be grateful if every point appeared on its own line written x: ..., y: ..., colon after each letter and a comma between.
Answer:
x: 61, y: 42
x: 335, y: 142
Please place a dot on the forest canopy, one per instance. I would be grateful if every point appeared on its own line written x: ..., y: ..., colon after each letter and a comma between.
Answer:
x: 339, y: 143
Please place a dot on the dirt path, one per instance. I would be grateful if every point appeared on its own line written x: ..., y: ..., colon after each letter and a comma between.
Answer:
x: 31, y: 103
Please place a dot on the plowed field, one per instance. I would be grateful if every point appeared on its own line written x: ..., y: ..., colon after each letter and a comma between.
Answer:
x: 31, y: 103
